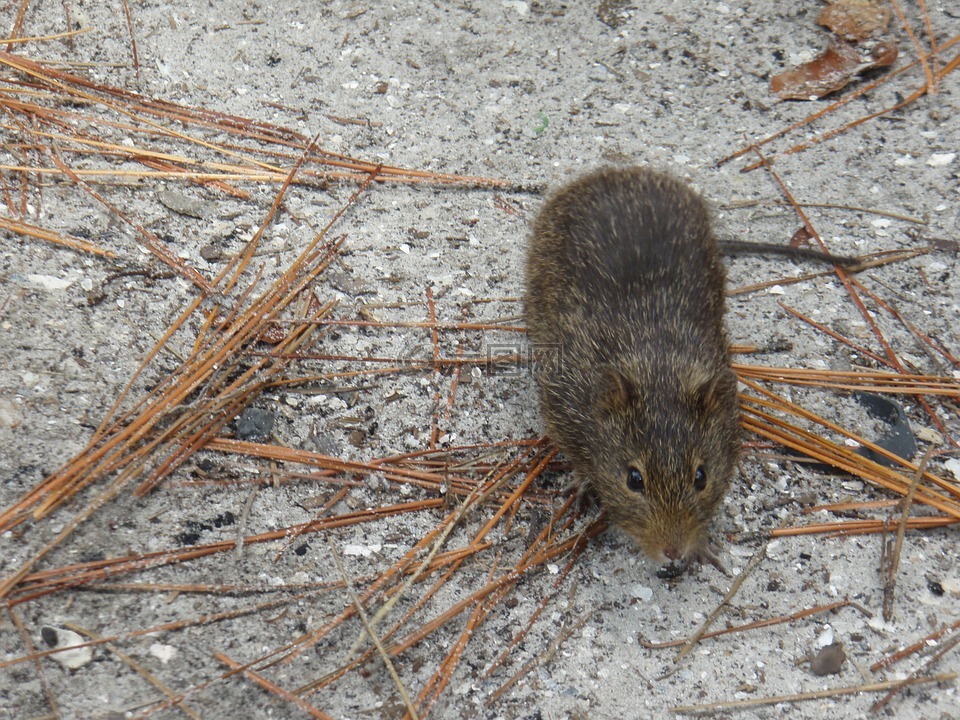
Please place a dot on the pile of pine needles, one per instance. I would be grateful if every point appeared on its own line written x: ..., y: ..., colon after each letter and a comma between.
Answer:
x: 252, y: 335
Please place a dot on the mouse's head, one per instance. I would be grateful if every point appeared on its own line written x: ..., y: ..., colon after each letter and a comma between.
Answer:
x: 665, y: 452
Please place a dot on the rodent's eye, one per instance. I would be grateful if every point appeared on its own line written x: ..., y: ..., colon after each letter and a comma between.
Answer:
x: 635, y: 480
x: 700, y: 479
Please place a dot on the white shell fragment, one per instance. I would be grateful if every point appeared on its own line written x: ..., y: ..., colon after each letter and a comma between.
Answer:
x: 56, y: 638
x: 163, y: 653
x: 48, y: 282
x: 941, y: 159
x: 361, y: 550
x: 953, y: 466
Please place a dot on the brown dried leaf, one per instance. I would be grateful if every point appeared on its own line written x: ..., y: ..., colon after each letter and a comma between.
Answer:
x: 830, y: 71
x: 855, y: 19
x: 826, y: 73
x: 273, y: 335
x: 884, y: 54
x: 613, y: 13
x: 801, y: 237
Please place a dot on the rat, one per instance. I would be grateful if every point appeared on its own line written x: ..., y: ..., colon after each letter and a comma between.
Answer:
x: 624, y: 303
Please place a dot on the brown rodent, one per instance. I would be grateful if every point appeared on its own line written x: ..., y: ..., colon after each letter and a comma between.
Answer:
x: 624, y: 302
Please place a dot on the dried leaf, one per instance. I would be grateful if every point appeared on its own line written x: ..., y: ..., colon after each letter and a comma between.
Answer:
x: 855, y: 19
x: 884, y: 54
x: 801, y: 238
x: 613, y: 13
x: 830, y: 71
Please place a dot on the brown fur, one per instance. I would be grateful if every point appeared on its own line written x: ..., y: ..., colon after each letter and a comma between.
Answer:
x: 624, y: 302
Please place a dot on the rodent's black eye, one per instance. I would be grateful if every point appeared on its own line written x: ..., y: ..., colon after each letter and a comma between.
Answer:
x: 635, y: 480
x: 700, y: 479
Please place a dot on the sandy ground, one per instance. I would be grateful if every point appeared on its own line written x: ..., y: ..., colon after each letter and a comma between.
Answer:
x: 533, y: 93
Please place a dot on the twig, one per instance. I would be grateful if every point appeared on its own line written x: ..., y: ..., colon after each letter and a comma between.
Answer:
x: 473, y: 500
x: 815, y: 695
x: 35, y: 658
x: 272, y: 687
x: 547, y: 599
x: 924, y: 58
x: 890, y: 583
x: 800, y: 615
x: 137, y: 667
x: 22, y: 228
x: 176, y: 625
x: 544, y: 657
x: 924, y: 642
x: 912, y: 677
x: 441, y: 678
x: 384, y: 655
x: 48, y: 581
x: 758, y: 416
x: 863, y: 380
x: 734, y: 589
x: 860, y: 527
x: 243, y: 519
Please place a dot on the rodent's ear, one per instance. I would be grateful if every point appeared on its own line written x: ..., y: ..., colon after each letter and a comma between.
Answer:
x: 709, y: 388
x: 617, y: 390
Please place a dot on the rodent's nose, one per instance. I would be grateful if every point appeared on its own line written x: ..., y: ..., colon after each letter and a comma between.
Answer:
x: 672, y: 553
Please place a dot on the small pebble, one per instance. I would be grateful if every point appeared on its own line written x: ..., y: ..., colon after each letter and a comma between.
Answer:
x: 829, y: 660
x: 183, y: 204
x: 255, y: 424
